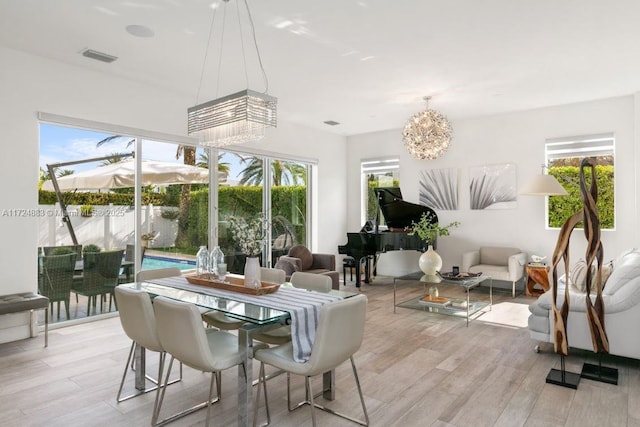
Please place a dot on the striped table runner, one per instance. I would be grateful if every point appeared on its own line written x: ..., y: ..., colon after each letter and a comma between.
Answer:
x: 303, y: 306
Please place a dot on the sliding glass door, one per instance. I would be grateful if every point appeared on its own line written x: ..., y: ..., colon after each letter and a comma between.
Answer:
x: 266, y: 195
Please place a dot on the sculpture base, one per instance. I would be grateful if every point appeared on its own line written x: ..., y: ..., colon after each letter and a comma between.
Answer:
x: 600, y: 373
x: 563, y: 378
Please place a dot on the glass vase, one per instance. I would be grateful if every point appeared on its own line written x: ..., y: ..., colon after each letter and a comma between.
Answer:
x: 252, y: 273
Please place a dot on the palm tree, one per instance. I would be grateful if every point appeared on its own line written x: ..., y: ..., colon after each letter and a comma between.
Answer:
x: 284, y: 173
x: 113, y: 138
x: 115, y: 158
x: 44, y: 175
x: 188, y: 154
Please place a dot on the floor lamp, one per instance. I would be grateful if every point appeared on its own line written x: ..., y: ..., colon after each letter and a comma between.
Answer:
x: 548, y: 185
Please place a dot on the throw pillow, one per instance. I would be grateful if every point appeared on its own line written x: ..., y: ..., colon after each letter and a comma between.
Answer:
x: 578, y: 276
x: 303, y: 254
x: 607, y: 269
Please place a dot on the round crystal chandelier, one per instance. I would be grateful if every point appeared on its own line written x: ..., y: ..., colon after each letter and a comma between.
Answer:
x: 427, y: 134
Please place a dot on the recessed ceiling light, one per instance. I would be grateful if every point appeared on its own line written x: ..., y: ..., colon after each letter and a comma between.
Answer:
x: 331, y: 123
x: 99, y: 56
x: 140, y: 31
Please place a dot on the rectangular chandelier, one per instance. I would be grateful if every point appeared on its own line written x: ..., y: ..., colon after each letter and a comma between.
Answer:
x: 233, y: 119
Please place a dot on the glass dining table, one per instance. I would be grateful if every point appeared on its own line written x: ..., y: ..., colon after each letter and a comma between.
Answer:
x: 255, y: 316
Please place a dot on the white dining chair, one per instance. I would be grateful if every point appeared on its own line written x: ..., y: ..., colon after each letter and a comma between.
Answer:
x: 311, y: 281
x: 139, y: 323
x: 184, y: 337
x: 338, y: 336
x: 158, y: 273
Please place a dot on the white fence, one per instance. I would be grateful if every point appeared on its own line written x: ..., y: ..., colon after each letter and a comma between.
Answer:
x: 110, y: 227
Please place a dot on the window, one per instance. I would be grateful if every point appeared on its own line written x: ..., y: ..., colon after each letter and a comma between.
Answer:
x: 377, y: 173
x: 254, y: 183
x: 563, y: 158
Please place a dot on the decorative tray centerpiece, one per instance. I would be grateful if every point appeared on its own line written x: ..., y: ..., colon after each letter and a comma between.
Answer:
x: 434, y: 301
x: 231, y: 283
x: 459, y: 276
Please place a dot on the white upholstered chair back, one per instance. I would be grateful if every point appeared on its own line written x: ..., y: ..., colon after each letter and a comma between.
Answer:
x: 138, y: 318
x: 311, y: 281
x: 182, y: 334
x: 158, y: 273
x: 339, y: 334
x: 272, y: 275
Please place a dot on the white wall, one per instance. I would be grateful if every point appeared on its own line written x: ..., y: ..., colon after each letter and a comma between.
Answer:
x: 516, y: 138
x: 29, y: 84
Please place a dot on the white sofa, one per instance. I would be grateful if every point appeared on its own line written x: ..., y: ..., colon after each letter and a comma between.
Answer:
x: 498, y: 262
x: 621, y: 295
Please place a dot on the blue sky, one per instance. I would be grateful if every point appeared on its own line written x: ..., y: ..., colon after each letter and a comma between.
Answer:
x: 60, y: 144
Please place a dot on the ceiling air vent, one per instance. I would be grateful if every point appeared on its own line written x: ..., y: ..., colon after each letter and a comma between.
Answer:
x: 98, y: 56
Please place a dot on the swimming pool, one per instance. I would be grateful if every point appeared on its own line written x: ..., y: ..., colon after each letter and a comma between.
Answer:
x: 151, y: 262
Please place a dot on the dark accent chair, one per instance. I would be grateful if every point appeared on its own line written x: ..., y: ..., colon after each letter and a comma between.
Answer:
x: 300, y: 258
x: 55, y: 279
x: 99, y: 276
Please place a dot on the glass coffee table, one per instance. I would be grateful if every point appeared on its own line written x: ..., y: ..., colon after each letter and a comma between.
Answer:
x: 460, y: 307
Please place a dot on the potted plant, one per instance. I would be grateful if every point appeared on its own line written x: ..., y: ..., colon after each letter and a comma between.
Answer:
x: 147, y: 238
x: 430, y: 262
x: 90, y: 248
x: 249, y: 236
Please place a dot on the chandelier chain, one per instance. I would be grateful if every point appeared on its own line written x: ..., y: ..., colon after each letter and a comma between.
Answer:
x: 206, y: 54
x: 244, y: 54
x: 224, y: 20
x: 255, y: 43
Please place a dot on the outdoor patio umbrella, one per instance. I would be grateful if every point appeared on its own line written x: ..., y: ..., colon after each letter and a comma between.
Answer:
x: 121, y: 174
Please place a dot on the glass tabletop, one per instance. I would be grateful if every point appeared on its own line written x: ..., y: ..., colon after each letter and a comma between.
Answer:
x: 238, y: 310
x: 419, y: 276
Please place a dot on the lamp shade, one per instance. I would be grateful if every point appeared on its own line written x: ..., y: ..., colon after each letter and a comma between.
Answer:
x: 543, y: 185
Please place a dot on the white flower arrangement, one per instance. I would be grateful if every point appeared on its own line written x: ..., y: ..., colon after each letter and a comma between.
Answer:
x: 250, y: 234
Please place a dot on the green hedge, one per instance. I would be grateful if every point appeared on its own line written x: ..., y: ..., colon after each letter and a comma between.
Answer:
x: 82, y: 198
x: 562, y: 207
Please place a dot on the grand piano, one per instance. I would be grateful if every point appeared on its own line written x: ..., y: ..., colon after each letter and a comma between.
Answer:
x: 398, y: 215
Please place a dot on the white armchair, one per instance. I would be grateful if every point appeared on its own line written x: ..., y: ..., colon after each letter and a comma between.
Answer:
x: 498, y: 262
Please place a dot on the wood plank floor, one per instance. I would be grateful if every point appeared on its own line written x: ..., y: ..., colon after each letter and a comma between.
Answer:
x: 416, y: 369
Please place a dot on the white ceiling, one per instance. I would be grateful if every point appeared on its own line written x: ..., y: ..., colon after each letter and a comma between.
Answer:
x: 364, y: 63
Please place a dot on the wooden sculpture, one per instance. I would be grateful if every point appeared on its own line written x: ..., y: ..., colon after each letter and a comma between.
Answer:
x: 594, y: 252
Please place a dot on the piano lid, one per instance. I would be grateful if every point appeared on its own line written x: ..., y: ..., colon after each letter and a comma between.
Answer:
x: 399, y: 214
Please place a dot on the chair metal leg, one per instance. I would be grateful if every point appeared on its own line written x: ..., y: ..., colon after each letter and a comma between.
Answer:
x: 46, y: 327
x: 311, y: 404
x: 162, y: 390
x: 261, y: 379
x: 157, y: 382
x: 310, y: 399
x: 214, y: 375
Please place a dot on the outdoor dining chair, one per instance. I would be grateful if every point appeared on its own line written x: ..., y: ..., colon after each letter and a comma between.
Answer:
x: 56, y: 278
x: 99, y: 277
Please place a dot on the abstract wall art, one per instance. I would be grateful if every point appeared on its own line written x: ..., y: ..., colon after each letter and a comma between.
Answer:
x: 493, y: 186
x: 439, y: 189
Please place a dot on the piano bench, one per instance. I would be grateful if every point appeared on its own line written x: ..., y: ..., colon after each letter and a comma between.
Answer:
x: 350, y: 263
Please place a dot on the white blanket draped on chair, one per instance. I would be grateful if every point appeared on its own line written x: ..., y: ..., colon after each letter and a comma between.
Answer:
x: 304, y: 307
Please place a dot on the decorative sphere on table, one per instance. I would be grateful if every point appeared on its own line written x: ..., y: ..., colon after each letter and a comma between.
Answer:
x: 430, y: 262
